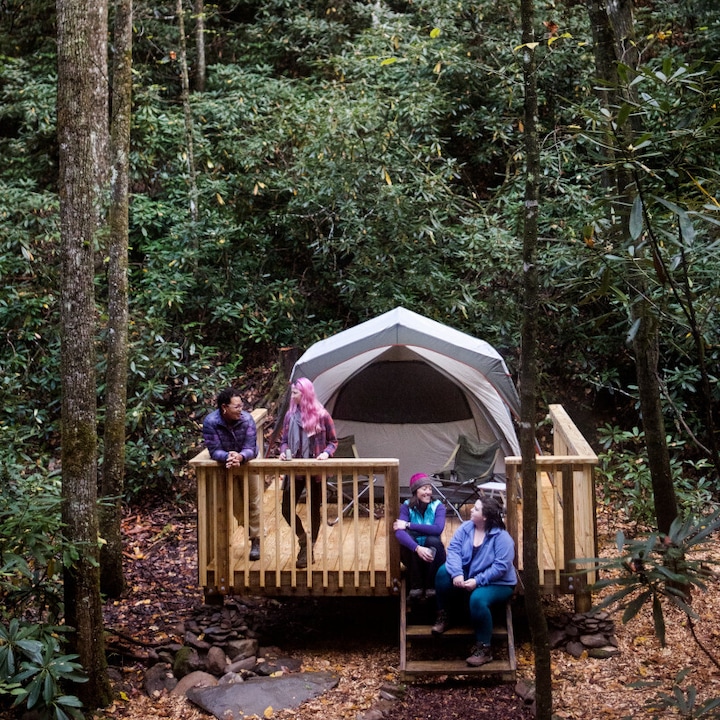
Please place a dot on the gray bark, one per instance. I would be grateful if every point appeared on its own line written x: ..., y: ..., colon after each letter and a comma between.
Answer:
x: 113, y: 470
x: 82, y: 135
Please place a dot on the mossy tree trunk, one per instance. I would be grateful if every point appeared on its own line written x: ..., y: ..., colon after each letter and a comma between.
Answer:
x: 113, y: 469
x: 82, y: 134
x: 529, y: 374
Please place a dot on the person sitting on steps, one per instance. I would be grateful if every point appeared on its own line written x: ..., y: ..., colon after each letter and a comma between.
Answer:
x: 418, y: 529
x: 479, y: 573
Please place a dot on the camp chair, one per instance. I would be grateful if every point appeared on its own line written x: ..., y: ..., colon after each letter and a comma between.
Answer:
x: 347, y: 449
x: 472, y: 474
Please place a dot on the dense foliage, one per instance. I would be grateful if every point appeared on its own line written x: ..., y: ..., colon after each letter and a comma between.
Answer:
x: 352, y: 157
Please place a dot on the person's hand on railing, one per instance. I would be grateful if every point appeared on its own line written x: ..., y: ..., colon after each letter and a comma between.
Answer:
x: 322, y: 456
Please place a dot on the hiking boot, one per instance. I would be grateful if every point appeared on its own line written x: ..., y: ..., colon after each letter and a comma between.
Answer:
x: 479, y: 655
x: 301, y: 562
x: 441, y: 624
x: 254, y: 548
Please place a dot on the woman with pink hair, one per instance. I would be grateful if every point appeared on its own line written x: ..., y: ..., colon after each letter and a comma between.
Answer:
x: 308, y: 432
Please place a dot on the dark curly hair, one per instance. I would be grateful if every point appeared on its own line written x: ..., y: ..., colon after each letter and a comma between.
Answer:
x: 492, y: 511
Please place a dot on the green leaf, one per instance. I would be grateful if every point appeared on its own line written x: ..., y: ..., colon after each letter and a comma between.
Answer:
x: 636, y: 218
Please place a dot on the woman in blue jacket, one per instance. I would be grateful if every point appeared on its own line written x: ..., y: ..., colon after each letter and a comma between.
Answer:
x: 479, y: 570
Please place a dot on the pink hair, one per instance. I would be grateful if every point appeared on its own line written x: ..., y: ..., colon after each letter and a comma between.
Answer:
x: 311, y: 409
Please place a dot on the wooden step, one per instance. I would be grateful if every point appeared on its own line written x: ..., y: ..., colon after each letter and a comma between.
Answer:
x: 503, y: 638
x: 425, y: 631
x: 500, y: 669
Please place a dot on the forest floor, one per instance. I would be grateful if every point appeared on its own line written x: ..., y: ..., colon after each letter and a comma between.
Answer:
x: 360, y: 644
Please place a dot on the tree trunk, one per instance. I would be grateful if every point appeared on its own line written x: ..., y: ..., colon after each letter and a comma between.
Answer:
x: 190, y: 152
x: 612, y: 24
x: 113, y: 472
x: 82, y: 136
x: 646, y: 351
x: 528, y: 376
x: 200, y: 72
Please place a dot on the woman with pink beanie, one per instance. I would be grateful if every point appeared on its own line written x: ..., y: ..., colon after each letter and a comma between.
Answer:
x: 418, y: 529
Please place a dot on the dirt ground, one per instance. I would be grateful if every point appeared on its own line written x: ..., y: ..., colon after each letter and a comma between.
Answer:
x: 358, y: 640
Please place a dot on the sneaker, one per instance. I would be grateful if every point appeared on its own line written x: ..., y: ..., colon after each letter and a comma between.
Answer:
x: 415, y: 594
x: 254, y: 548
x: 441, y: 624
x: 479, y: 655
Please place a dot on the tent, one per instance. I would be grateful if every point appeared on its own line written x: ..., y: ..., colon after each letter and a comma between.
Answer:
x: 408, y: 387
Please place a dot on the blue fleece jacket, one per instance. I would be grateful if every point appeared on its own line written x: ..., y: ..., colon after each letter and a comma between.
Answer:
x: 492, y: 563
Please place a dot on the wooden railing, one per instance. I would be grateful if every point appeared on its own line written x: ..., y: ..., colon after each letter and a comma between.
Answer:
x: 566, y: 508
x: 356, y: 552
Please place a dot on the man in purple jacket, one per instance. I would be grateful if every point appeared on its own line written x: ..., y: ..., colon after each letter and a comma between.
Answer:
x: 231, y: 438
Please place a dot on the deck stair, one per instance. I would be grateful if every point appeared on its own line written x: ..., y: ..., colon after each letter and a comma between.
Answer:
x: 445, y: 655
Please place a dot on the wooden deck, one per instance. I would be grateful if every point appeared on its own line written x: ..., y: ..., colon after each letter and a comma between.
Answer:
x: 356, y: 552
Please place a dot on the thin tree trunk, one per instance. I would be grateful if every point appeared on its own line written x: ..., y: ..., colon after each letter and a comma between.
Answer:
x: 612, y: 24
x: 190, y: 153
x: 645, y: 346
x: 82, y: 136
x: 113, y: 471
x: 528, y: 376
x: 200, y: 72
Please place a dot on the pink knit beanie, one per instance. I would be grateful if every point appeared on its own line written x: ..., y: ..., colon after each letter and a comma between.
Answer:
x: 418, y: 480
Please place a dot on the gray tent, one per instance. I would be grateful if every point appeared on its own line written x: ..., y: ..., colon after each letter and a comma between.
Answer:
x: 408, y: 387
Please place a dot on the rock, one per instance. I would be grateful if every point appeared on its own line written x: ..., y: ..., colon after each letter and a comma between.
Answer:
x: 245, y: 664
x: 257, y: 695
x: 194, y: 641
x: 593, y: 641
x: 216, y: 662
x: 231, y: 678
x: 281, y: 664
x: 187, y: 660
x: 390, y: 691
x: 556, y: 638
x: 575, y: 648
x: 159, y: 679
x: 603, y: 653
x: 239, y: 649
x: 194, y: 681
x: 372, y: 714
x: 525, y: 689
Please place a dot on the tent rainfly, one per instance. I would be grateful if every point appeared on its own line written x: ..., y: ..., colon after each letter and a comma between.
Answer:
x: 407, y: 387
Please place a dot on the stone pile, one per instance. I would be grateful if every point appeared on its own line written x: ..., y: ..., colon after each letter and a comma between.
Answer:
x: 579, y: 633
x: 217, y: 647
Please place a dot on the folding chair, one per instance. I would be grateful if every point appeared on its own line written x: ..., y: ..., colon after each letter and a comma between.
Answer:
x: 472, y: 475
x: 347, y: 449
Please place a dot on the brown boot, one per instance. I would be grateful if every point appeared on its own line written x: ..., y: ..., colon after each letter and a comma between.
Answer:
x: 441, y: 624
x: 479, y: 655
x: 301, y: 562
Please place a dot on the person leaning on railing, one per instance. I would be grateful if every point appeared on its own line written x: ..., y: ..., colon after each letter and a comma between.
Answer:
x: 230, y: 436
x: 308, y: 432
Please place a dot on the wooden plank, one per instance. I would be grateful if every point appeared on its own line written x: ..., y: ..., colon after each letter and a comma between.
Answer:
x: 418, y: 668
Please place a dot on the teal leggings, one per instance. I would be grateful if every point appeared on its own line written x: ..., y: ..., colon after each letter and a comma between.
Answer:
x: 478, y: 602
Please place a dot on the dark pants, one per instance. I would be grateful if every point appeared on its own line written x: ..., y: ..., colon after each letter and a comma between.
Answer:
x: 314, y: 500
x: 421, y: 574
